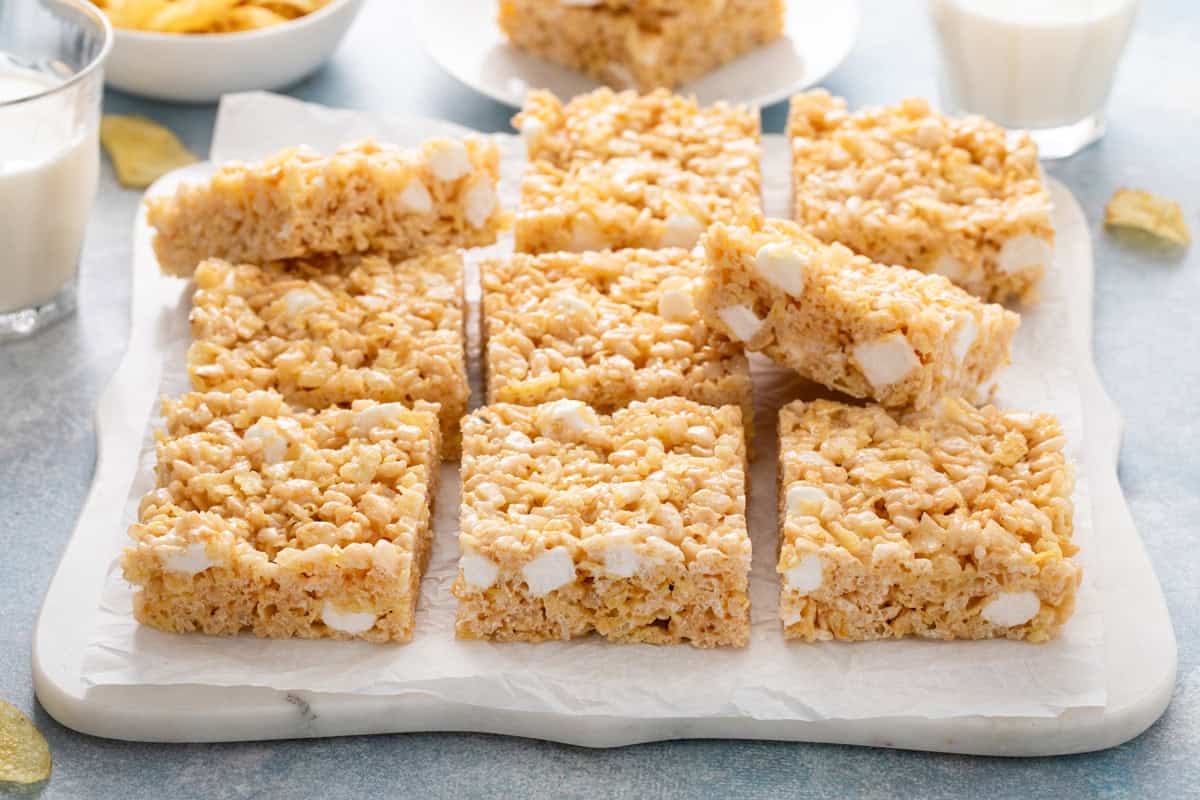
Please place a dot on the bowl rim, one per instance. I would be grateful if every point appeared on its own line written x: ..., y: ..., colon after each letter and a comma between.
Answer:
x: 327, y: 10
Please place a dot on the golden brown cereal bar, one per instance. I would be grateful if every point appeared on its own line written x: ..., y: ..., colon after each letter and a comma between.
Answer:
x: 632, y: 526
x: 365, y: 197
x: 283, y: 523
x: 890, y: 334
x: 906, y: 185
x: 625, y: 170
x: 954, y: 523
x: 327, y: 332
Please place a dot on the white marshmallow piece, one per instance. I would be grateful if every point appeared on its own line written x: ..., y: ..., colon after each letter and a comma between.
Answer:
x: 782, y: 265
x: 479, y: 571
x: 965, y: 337
x: 550, y: 570
x: 532, y: 131
x: 950, y: 267
x: 682, y: 230
x: 299, y: 299
x: 621, y: 561
x: 191, y: 560
x: 887, y: 360
x: 274, y: 444
x: 808, y: 575
x: 1022, y: 252
x: 742, y: 322
x: 416, y: 198
x: 370, y: 418
x: 1012, y: 608
x: 479, y: 203
x: 571, y: 416
x: 448, y: 160
x: 352, y: 622
x: 803, y: 498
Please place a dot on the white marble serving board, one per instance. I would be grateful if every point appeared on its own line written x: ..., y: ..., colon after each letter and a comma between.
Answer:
x: 171, y: 699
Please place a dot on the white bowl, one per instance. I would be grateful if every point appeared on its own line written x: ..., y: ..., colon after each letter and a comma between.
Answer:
x: 199, y: 68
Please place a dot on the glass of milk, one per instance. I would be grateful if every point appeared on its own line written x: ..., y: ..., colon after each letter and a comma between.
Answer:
x: 1045, y: 66
x: 51, y: 60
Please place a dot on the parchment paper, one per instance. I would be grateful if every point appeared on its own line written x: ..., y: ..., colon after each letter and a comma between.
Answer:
x: 770, y: 679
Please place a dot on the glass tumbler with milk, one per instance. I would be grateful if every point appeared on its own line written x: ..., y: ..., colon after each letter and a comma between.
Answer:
x: 1045, y: 66
x: 51, y: 60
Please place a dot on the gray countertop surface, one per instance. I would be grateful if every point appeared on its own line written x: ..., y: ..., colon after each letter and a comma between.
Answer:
x: 1145, y: 347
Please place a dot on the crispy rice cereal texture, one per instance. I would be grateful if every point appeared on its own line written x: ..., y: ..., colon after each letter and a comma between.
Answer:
x: 950, y: 524
x: 632, y: 526
x: 641, y: 45
x: 890, y: 334
x: 605, y: 328
x: 365, y: 197
x: 906, y: 185
x: 330, y: 332
x: 286, y: 524
x: 627, y: 170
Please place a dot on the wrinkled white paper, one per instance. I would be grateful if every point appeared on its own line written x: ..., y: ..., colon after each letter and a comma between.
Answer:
x: 769, y: 680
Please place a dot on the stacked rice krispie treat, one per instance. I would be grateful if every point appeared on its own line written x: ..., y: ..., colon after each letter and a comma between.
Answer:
x: 641, y: 44
x: 890, y: 334
x: 285, y: 523
x: 366, y: 197
x: 631, y: 525
x: 295, y: 486
x: 332, y: 331
x: 606, y: 328
x: 610, y: 171
x: 906, y: 185
x: 952, y: 523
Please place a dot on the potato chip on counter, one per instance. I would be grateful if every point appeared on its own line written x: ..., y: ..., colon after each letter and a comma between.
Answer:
x: 1151, y: 213
x: 142, y: 151
x: 24, y: 753
x: 205, y: 16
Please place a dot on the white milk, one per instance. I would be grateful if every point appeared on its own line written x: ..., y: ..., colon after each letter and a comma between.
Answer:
x: 47, y: 184
x: 1033, y: 64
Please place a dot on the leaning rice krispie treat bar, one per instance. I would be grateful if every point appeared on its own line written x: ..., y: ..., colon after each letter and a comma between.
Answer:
x: 632, y: 526
x: 626, y: 170
x: 949, y: 524
x: 641, y: 45
x: 324, y: 332
x: 605, y: 328
x: 906, y: 185
x: 365, y: 197
x: 286, y: 524
x: 886, y: 333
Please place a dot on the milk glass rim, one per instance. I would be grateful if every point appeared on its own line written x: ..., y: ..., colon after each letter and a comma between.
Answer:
x: 92, y: 66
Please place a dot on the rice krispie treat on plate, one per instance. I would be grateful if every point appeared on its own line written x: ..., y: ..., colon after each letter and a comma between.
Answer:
x: 286, y: 524
x: 954, y: 523
x: 324, y: 332
x: 890, y: 334
x: 617, y: 170
x: 365, y: 197
x: 641, y: 44
x: 906, y: 185
x: 632, y: 526
x: 606, y: 328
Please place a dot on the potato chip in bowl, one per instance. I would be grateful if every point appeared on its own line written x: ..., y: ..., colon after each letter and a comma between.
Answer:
x: 197, y: 50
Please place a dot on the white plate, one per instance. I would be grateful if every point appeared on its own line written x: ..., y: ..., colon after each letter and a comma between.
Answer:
x: 194, y: 68
x: 462, y: 36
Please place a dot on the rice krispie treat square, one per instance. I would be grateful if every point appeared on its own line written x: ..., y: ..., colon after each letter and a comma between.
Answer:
x: 632, y: 526
x: 328, y: 332
x: 627, y: 170
x: 365, y: 197
x: 953, y: 523
x: 906, y: 185
x: 890, y: 334
x: 606, y: 328
x: 286, y: 524
x: 641, y: 44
